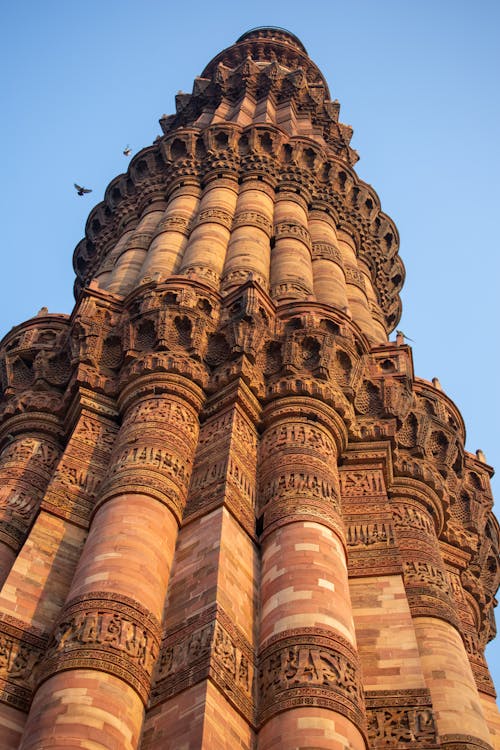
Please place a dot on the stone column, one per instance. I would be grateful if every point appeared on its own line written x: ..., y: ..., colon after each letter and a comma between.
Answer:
x: 38, y: 582
x: 126, y: 271
x: 206, y: 250
x: 379, y: 333
x: 104, y: 274
x: 309, y: 677
x: 167, y: 247
x: 206, y: 667
x: 356, y: 291
x: 327, y: 263
x: 249, y: 247
x: 27, y: 461
x: 107, y: 637
x: 291, y: 264
x: 445, y: 666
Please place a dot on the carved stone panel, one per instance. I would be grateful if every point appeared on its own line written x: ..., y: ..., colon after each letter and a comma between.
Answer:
x: 75, y: 484
x: 108, y: 632
x: 20, y: 652
x: 310, y: 667
x: 401, y: 720
x: 208, y: 646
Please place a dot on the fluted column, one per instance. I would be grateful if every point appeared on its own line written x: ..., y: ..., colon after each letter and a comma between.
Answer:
x: 167, y: 247
x: 126, y: 271
x: 327, y: 263
x: 249, y: 248
x: 291, y: 264
x: 378, y: 330
x: 356, y: 292
x: 309, y: 680
x: 38, y: 582
x: 107, y: 638
x: 206, y: 250
x: 445, y: 666
x: 105, y: 272
x: 26, y: 464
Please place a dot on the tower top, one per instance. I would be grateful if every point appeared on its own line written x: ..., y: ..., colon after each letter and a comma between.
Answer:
x: 273, y: 33
x: 267, y: 45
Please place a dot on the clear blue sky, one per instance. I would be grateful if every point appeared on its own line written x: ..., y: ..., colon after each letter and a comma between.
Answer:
x: 419, y: 82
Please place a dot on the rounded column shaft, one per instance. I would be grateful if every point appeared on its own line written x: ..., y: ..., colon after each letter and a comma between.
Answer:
x: 291, y: 265
x: 356, y: 292
x: 104, y: 275
x: 110, y: 623
x: 249, y: 247
x: 206, y: 250
x: 26, y: 465
x: 165, y: 252
x: 327, y: 263
x: 307, y: 644
x: 445, y: 665
x: 379, y: 333
x: 128, y: 264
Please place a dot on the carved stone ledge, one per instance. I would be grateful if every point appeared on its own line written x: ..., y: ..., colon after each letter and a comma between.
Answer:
x: 109, y: 633
x: 310, y: 667
x: 299, y: 510
x: 428, y: 603
x: 253, y: 219
x: 327, y: 251
x: 292, y: 231
x: 214, y: 216
x: 463, y: 742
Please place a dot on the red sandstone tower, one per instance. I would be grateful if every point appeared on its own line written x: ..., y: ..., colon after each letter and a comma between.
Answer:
x: 232, y: 517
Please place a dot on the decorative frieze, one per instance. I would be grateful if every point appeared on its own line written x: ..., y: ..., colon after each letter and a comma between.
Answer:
x: 463, y: 742
x: 293, y: 484
x: 109, y: 632
x: 401, y: 720
x: 21, y: 650
x: 26, y: 465
x: 418, y: 572
x: 209, y: 645
x: 173, y: 224
x: 298, y: 437
x: 253, y: 219
x: 77, y: 479
x: 354, y: 276
x: 214, y: 216
x: 363, y: 483
x: 408, y: 517
x: 368, y: 534
x: 327, y: 251
x: 310, y: 667
x: 291, y: 230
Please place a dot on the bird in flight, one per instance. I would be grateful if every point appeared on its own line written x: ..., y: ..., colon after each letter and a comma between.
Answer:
x: 127, y: 151
x: 81, y: 190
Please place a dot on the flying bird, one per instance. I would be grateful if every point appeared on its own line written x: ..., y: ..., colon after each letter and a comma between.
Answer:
x: 127, y: 151
x: 81, y: 190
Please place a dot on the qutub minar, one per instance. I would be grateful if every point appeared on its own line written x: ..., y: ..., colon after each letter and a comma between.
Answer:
x: 232, y: 517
